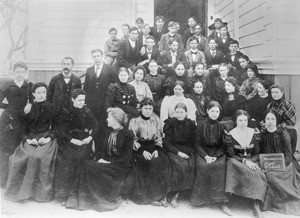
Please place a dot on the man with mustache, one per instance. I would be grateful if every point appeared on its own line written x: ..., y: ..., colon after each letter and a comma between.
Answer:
x: 60, y: 89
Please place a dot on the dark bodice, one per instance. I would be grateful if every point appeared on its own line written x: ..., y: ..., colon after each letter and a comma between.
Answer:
x: 155, y: 83
x: 170, y: 82
x: 257, y: 106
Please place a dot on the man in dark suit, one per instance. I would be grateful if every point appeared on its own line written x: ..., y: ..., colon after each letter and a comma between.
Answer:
x: 233, y: 56
x: 145, y: 33
x: 189, y: 32
x: 128, y: 51
x: 97, y: 79
x: 159, y: 29
x: 60, y: 89
x: 148, y: 53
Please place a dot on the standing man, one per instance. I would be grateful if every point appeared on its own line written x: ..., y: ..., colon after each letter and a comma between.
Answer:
x: 60, y: 89
x: 97, y: 79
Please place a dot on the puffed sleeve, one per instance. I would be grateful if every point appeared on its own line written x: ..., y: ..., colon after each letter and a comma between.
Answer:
x: 228, y: 141
x: 287, y: 148
x: 111, y: 91
x: 164, y: 109
x: 198, y: 141
x: 133, y: 127
x: 168, y: 86
x: 93, y: 122
x: 158, y: 134
x: 148, y: 91
x: 191, y: 109
x: 256, y: 141
x: 168, y: 131
x: 127, y: 147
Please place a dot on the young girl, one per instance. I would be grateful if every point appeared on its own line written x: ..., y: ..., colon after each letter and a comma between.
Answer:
x: 142, y: 89
x: 241, y: 75
x: 179, y: 141
x: 155, y: 82
x: 209, y: 186
x: 31, y: 170
x: 17, y: 93
x: 179, y: 76
x: 75, y: 141
x: 151, y: 166
x: 244, y: 176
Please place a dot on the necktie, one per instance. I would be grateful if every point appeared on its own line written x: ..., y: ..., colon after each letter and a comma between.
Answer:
x: 173, y: 55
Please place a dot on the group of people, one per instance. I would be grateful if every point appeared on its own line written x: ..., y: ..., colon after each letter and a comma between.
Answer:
x: 159, y: 117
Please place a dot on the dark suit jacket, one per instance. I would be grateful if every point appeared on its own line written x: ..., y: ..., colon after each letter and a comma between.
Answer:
x: 186, y: 35
x: 203, y: 45
x: 127, y: 56
x: 223, y: 47
x: 163, y: 44
x: 167, y: 58
x: 157, y: 35
x: 155, y: 55
x: 59, y: 93
x: 96, y: 88
x: 200, y: 58
x: 217, y: 59
x: 236, y: 62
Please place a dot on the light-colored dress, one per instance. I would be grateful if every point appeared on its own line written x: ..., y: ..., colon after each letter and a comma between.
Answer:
x: 142, y: 90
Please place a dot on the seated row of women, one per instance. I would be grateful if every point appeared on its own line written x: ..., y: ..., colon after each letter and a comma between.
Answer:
x: 136, y: 162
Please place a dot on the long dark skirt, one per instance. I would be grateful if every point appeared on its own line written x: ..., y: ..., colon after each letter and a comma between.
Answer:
x: 69, y: 158
x: 97, y: 186
x: 183, y: 172
x: 31, y: 172
x: 150, y: 177
x: 244, y: 182
x: 283, y: 193
x: 10, y: 139
x: 209, y: 184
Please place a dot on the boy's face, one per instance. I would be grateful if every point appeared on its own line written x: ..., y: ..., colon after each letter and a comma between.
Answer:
x: 223, y: 71
x: 233, y: 48
x: 139, y: 24
x: 133, y: 35
x: 40, y: 94
x: 97, y: 57
x: 113, y: 34
x: 146, y: 30
x: 174, y: 46
x: 191, y: 22
x: 172, y: 29
x: 193, y: 44
x: 125, y: 30
x: 217, y: 24
x: 19, y: 73
x: 160, y: 23
x: 150, y: 44
x: 212, y: 44
x: 198, y: 30
x: 223, y: 31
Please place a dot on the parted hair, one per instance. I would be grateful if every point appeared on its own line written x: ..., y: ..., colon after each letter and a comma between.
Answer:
x: 77, y: 92
x: 37, y: 85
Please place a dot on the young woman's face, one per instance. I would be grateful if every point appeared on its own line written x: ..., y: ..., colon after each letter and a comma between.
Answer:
x: 271, y: 121
x: 242, y: 121
x: 198, y: 88
x: 251, y: 74
x: 123, y: 77
x: 19, y: 74
x: 147, y: 110
x: 178, y: 90
x: 261, y: 90
x: 213, y: 113
x: 276, y: 93
x: 223, y: 71
x: 139, y: 75
x: 244, y: 63
x: 79, y: 101
x: 180, y: 113
x: 199, y: 69
x: 179, y: 70
x: 40, y: 94
x: 153, y: 67
x: 111, y: 121
x: 229, y: 87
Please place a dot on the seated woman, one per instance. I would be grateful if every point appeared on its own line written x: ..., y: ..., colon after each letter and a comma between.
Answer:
x: 244, y: 177
x: 179, y: 141
x: 257, y: 106
x: 209, y: 186
x: 98, y: 184
x: 75, y: 143
x: 249, y: 87
x: 142, y: 89
x: 31, y: 166
x: 168, y: 104
x: 122, y: 95
x: 151, y: 166
x: 180, y: 75
x: 283, y: 194
x: 287, y: 111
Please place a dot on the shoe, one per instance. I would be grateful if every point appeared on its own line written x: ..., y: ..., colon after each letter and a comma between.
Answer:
x: 156, y: 203
x: 164, y: 202
x: 225, y: 209
x: 174, y: 202
x: 256, y: 210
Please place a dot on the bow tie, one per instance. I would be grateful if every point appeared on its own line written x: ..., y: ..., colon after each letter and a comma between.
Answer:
x: 233, y: 54
x: 67, y: 77
x: 194, y: 52
x: 171, y: 36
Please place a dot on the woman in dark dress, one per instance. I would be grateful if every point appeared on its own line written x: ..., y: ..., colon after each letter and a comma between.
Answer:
x: 155, y: 82
x: 209, y: 184
x: 17, y: 93
x: 179, y: 141
x: 31, y: 166
x: 241, y: 75
x: 180, y: 75
x: 122, y: 95
x: 75, y: 143
x: 257, y: 106
x: 244, y: 176
x: 283, y: 193
x: 287, y: 111
x: 151, y: 166
x: 98, y: 184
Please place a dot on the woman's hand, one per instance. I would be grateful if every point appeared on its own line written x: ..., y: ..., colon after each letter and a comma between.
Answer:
x: 87, y: 140
x: 27, y: 108
x: 155, y: 154
x: 136, y: 146
x: 147, y: 155
x: 43, y: 140
x: 76, y: 142
x: 183, y: 155
x: 209, y: 159
x: 103, y: 161
x: 251, y: 165
x: 33, y: 142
